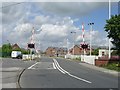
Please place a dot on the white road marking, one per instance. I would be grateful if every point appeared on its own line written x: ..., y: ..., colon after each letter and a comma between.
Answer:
x: 54, y: 66
x: 79, y: 78
x: 58, y: 68
x: 65, y: 72
x: 33, y: 65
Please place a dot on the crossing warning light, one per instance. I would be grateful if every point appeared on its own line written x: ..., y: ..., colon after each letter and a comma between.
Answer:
x: 84, y: 46
x: 31, y: 45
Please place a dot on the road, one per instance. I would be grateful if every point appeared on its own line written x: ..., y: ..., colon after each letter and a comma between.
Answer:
x: 61, y: 73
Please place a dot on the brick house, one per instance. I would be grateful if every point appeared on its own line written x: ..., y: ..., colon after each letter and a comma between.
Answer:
x: 53, y: 51
x: 77, y: 50
x: 62, y: 51
x: 50, y: 51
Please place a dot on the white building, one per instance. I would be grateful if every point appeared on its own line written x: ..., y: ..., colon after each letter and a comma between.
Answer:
x: 103, y: 52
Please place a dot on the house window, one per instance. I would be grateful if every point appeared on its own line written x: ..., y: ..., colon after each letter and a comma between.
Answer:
x: 103, y: 53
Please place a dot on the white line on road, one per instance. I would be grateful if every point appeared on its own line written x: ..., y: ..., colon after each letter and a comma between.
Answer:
x: 58, y: 67
x: 65, y: 72
x: 33, y: 65
x: 79, y: 78
x: 54, y: 66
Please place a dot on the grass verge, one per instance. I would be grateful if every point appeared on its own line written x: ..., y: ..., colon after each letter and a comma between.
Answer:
x: 113, y: 66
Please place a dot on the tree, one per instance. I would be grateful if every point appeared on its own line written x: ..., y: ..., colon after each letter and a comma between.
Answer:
x: 112, y: 27
x: 6, y: 50
x: 95, y: 51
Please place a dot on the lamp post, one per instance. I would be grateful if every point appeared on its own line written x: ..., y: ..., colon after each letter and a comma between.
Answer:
x: 73, y: 42
x: 91, y: 29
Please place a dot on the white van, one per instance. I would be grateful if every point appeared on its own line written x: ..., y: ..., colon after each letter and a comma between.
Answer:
x: 16, y: 54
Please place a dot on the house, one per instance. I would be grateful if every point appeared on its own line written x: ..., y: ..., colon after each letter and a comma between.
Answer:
x: 62, y: 51
x: 55, y: 51
x: 77, y: 50
x: 50, y: 51
x: 15, y: 47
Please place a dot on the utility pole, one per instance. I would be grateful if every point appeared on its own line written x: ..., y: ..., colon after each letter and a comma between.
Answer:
x: 91, y: 29
x: 73, y: 42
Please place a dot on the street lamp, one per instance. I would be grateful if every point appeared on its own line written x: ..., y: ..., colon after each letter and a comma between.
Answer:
x: 91, y: 29
x: 73, y: 42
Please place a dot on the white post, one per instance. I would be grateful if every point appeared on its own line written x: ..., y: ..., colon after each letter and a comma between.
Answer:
x: 30, y: 54
x: 109, y: 38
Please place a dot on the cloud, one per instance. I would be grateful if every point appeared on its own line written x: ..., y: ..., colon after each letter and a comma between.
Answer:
x: 70, y: 8
x: 20, y: 34
x: 56, y: 27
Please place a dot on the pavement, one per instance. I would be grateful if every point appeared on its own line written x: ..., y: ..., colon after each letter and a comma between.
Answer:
x: 10, y: 70
x: 9, y: 77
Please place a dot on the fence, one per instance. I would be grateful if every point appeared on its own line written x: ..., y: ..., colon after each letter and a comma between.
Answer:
x: 30, y: 57
x: 89, y: 59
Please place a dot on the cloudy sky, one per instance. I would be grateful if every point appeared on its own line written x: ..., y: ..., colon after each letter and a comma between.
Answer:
x: 53, y: 22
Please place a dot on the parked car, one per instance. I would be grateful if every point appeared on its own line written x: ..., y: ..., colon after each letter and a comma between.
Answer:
x: 16, y: 54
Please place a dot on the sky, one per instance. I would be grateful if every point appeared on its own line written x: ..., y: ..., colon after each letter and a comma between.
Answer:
x: 53, y: 22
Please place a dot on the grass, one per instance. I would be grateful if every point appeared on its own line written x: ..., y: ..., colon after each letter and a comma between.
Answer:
x: 77, y: 59
x: 113, y: 66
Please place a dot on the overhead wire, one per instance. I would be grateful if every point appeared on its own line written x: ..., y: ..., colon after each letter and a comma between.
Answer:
x: 10, y: 5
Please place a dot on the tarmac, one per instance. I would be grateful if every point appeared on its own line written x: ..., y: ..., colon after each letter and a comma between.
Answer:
x: 104, y: 70
x: 9, y: 76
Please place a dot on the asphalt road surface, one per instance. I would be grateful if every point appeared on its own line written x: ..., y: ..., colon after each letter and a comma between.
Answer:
x: 61, y: 73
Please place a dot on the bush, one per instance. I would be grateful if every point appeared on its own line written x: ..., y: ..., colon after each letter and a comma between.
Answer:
x: 113, y: 66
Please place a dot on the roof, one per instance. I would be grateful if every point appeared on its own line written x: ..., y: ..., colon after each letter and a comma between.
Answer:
x: 15, y: 46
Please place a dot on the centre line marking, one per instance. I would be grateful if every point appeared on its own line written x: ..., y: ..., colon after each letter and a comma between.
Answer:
x: 54, y: 66
x: 65, y: 72
x: 32, y: 65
